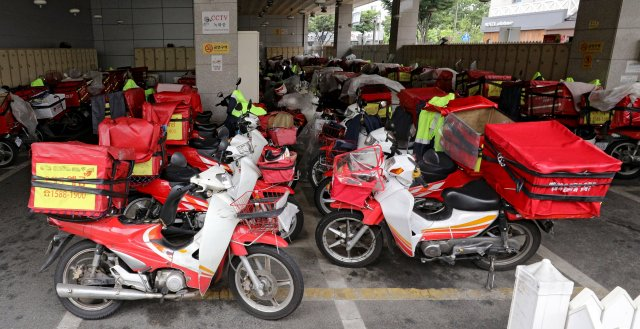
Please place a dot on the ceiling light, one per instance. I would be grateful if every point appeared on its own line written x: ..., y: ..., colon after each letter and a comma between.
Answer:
x: 290, y: 17
x: 97, y: 16
x: 301, y: 12
x: 320, y: 2
x: 120, y: 21
x: 74, y: 11
x: 40, y: 3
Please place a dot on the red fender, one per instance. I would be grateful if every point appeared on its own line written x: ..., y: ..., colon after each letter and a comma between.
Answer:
x: 243, y: 235
x: 372, y: 214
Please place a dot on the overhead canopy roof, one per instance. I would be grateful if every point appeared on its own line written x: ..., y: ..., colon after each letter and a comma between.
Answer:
x: 285, y: 7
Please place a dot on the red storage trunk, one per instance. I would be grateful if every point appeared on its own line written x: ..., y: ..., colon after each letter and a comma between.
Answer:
x: 77, y: 179
x: 375, y: 93
x: 554, y: 175
x: 134, y: 98
x: 283, y: 136
x: 626, y: 113
x: 175, y: 115
x: 549, y: 98
x: 415, y: 99
x: 189, y: 97
x: 7, y: 120
x: 281, y: 171
x: 75, y: 92
x: 142, y: 136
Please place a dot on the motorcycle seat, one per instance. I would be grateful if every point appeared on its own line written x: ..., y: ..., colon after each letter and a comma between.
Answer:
x: 436, y: 166
x: 206, y: 127
x: 342, y: 145
x: 204, y: 116
x: 273, y: 155
x: 179, y: 174
x: 204, y: 143
x: 474, y: 196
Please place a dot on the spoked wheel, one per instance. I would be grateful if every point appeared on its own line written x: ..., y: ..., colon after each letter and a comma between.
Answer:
x: 336, y: 230
x: 525, y: 235
x: 73, y: 121
x: 296, y: 224
x: 322, y: 196
x: 8, y: 152
x: 74, y: 266
x: 281, y: 277
x: 622, y: 150
x: 316, y: 170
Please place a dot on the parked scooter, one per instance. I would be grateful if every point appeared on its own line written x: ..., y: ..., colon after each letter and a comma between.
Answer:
x: 471, y: 226
x: 148, y: 200
x: 129, y: 261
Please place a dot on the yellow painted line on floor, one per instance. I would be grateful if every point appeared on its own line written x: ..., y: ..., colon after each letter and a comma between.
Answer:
x: 388, y: 294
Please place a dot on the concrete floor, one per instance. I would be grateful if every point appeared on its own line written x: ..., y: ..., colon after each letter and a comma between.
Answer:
x: 604, y: 250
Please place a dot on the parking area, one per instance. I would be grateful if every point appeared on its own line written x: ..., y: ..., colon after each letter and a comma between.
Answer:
x: 394, y: 292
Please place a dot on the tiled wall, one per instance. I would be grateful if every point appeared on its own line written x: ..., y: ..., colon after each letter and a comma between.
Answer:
x: 147, y: 23
x: 24, y: 25
x: 281, y: 32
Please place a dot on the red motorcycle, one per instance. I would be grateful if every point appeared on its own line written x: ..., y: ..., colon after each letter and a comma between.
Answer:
x: 119, y: 260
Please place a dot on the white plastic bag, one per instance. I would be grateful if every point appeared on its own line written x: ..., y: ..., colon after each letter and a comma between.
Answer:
x: 605, y: 100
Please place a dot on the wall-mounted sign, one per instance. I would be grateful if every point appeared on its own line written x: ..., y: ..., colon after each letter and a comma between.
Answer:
x: 632, y: 67
x: 215, y: 48
x: 215, y: 22
x: 216, y: 63
x: 594, y: 24
x: 591, y: 47
x: 499, y: 23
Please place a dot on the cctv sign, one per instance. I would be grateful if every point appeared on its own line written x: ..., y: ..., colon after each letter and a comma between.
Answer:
x: 215, y: 22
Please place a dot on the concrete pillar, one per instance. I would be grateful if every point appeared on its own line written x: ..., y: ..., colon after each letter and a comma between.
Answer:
x: 305, y: 31
x: 211, y: 82
x: 606, y: 42
x: 404, y: 24
x: 342, y: 30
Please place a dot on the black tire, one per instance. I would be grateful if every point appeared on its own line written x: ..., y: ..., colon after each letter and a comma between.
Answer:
x: 529, y: 248
x: 315, y: 167
x: 374, y: 237
x: 292, y: 268
x: 618, y: 150
x: 8, y: 152
x: 74, y: 121
x: 86, y: 248
x: 320, y: 195
x: 138, y: 201
x: 299, y: 223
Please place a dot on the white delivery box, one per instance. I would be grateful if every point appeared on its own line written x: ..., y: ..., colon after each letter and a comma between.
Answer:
x: 48, y: 106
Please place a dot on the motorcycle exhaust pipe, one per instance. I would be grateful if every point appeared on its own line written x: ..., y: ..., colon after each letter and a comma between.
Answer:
x: 80, y: 291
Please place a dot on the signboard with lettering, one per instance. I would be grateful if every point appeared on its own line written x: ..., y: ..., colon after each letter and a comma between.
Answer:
x: 215, y: 22
x: 215, y: 48
x: 591, y: 47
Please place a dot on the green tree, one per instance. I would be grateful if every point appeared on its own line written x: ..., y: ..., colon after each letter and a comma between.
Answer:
x: 367, y: 22
x: 426, y: 11
x: 387, y: 29
x: 322, y: 27
x: 455, y: 22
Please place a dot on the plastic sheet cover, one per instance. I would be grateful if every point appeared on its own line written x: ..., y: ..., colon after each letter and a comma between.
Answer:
x: 605, y: 100
x: 351, y: 86
x: 23, y: 113
x: 322, y: 80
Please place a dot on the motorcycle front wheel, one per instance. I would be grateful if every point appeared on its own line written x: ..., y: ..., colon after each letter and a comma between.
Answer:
x: 8, y: 152
x: 528, y: 236
x: 336, y: 229
x: 316, y: 170
x: 75, y: 263
x: 621, y: 150
x: 322, y: 196
x: 281, y: 277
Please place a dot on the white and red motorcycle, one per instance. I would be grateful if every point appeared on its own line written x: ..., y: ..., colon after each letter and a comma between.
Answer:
x: 471, y: 226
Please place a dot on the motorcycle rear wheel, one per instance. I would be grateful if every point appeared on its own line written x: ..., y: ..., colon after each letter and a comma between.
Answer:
x: 73, y: 262
x: 316, y: 170
x: 330, y: 239
x: 526, y: 229
x: 8, y: 152
x: 619, y: 150
x: 275, y: 269
x: 296, y: 225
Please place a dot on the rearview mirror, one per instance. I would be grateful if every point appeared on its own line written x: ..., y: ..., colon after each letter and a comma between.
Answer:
x: 178, y: 160
x: 238, y: 81
x: 220, y: 94
x: 239, y: 107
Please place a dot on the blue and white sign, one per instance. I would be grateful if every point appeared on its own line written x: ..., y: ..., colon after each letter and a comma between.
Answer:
x: 466, y: 37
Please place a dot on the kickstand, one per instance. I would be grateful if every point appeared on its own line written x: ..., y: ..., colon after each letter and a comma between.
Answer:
x: 491, y: 276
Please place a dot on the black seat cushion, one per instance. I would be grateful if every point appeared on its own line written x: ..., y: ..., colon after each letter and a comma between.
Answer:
x: 342, y: 145
x: 208, y: 127
x: 204, y: 143
x: 474, y: 196
x: 436, y: 166
x: 179, y: 174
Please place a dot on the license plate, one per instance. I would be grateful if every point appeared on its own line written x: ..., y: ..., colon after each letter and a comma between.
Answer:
x: 18, y: 141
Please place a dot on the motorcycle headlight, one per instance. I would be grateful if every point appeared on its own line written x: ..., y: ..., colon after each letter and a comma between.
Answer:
x: 369, y: 141
x: 245, y: 149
